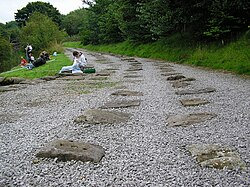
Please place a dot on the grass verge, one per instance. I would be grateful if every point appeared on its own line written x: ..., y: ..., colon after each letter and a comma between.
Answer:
x: 51, y: 68
x: 233, y: 57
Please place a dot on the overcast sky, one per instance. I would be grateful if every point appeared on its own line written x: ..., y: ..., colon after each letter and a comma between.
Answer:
x: 8, y: 8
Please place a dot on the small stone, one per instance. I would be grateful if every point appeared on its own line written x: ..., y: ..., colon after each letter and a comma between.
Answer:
x: 35, y: 161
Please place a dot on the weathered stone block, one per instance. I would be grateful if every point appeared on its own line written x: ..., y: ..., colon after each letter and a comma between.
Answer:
x: 122, y: 104
x: 198, y: 91
x: 188, y: 119
x: 176, y: 77
x: 127, y: 93
x: 180, y: 84
x: 193, y: 102
x: 97, y: 116
x: 216, y: 156
x: 67, y: 150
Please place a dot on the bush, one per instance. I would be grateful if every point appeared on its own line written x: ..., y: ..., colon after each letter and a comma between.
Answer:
x: 5, y: 55
x: 41, y: 32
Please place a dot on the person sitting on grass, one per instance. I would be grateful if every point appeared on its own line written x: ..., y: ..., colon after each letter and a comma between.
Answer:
x: 39, y: 61
x: 23, y: 62
x: 78, y: 65
x: 28, y: 50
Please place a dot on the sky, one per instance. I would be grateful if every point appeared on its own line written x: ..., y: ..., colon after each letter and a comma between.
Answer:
x: 8, y: 8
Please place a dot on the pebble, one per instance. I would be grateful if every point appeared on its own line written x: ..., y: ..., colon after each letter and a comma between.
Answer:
x: 142, y: 152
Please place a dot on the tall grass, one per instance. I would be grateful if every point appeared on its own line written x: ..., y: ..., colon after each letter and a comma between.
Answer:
x: 73, y: 44
x: 55, y: 47
x: 234, y: 56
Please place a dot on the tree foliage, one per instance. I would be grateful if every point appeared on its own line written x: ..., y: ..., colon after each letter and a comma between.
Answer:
x: 102, y: 24
x: 41, y: 32
x: 227, y: 17
x: 5, y: 54
x: 74, y: 21
x: 13, y: 31
x: 47, y: 9
x: 147, y: 20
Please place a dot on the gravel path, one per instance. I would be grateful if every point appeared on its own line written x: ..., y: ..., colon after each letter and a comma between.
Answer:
x: 141, y: 152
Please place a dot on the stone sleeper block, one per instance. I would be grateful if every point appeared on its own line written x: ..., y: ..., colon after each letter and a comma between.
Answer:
x: 193, y: 102
x: 122, y: 104
x: 97, y: 116
x: 216, y: 156
x: 67, y: 150
x: 198, y: 91
x: 188, y: 119
x: 127, y: 93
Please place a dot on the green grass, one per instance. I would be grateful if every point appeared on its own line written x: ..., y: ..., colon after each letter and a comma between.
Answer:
x: 73, y: 44
x: 51, y: 68
x: 233, y: 57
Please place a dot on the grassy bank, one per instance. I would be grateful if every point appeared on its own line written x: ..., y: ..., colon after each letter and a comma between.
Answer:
x: 51, y: 68
x: 233, y: 57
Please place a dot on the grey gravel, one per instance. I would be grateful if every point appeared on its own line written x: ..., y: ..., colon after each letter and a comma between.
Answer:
x: 141, y: 152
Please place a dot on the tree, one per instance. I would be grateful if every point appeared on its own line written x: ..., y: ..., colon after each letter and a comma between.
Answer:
x: 41, y: 32
x: 90, y: 32
x: 74, y: 21
x: 149, y: 20
x: 108, y: 22
x: 157, y: 19
x: 47, y: 9
x: 102, y: 23
x: 3, y: 31
x: 5, y: 54
x: 13, y: 31
x: 227, y: 17
x: 129, y: 20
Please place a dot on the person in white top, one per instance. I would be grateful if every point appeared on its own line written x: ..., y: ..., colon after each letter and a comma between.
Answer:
x: 78, y: 65
x: 28, y: 50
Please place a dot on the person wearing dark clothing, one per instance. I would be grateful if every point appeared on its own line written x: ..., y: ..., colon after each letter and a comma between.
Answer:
x: 44, y: 56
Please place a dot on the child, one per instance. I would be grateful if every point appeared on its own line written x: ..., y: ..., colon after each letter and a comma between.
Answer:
x: 23, y: 62
x: 31, y: 58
